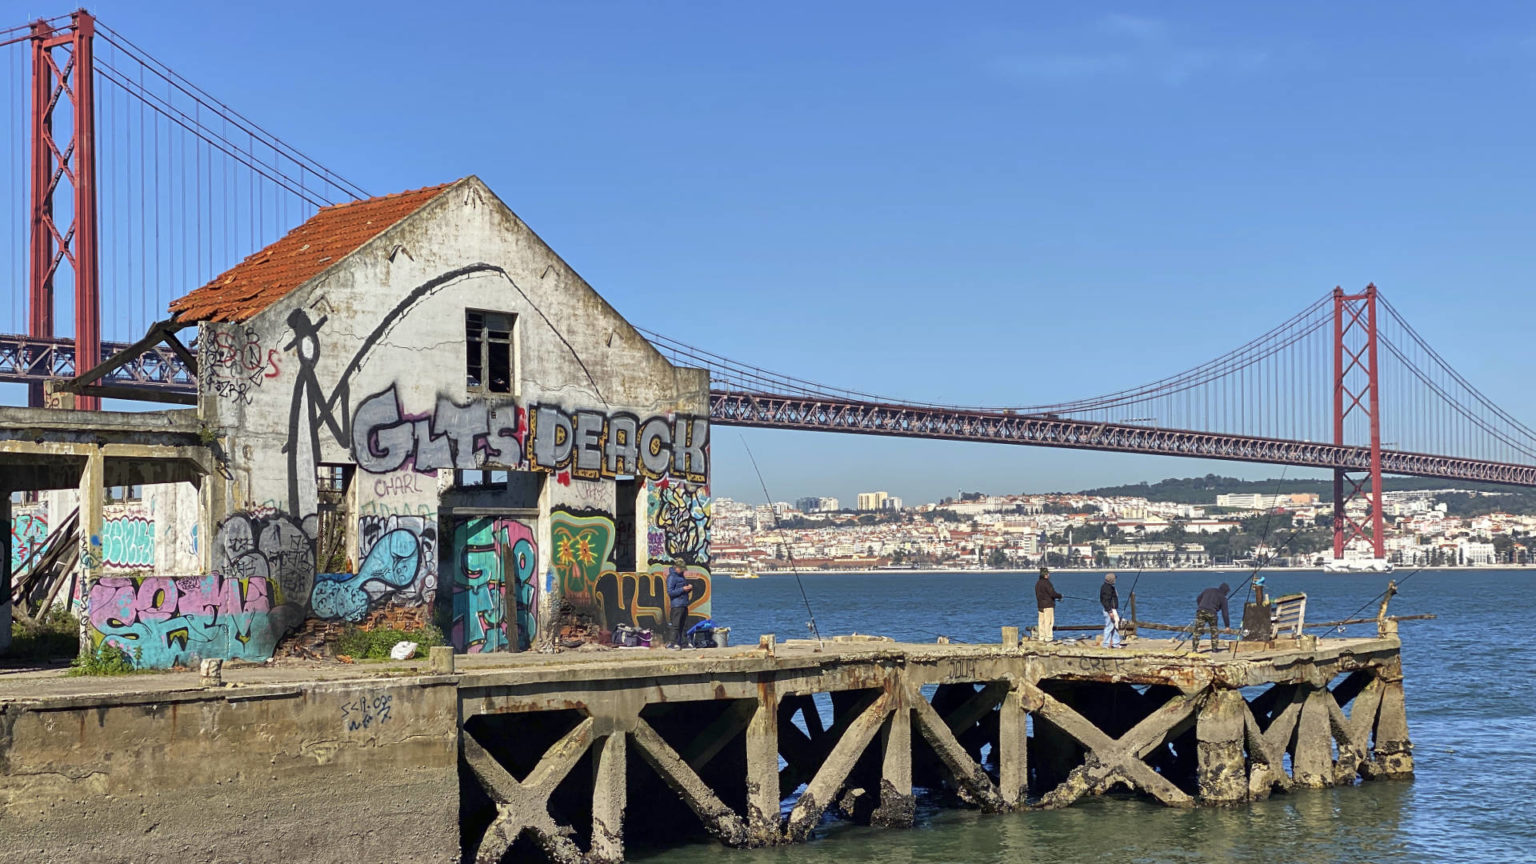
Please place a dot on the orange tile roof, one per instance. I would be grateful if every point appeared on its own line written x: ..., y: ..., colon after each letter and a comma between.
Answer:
x: 303, y: 253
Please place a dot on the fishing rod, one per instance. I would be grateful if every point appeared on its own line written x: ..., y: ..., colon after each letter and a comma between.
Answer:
x: 1269, y: 515
x: 1392, y: 588
x: 1258, y: 564
x: 793, y: 568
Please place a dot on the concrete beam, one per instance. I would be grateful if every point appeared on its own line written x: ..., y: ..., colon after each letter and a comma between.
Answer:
x: 719, y: 820
x: 1013, y: 750
x: 1394, y: 752
x: 763, y: 769
x: 974, y: 784
x: 897, y: 807
x: 1221, y: 770
x: 829, y: 778
x: 1312, y: 755
x: 523, y: 806
x: 609, y: 781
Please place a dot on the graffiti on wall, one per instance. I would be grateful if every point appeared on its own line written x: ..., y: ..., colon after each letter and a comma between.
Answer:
x: 594, y: 444
x: 128, y: 541
x: 271, y: 546
x: 161, y: 622
x: 586, y: 577
x: 677, y: 523
x: 468, y: 436
x: 29, y: 531
x: 582, y: 552
x: 640, y: 599
x: 399, y: 555
x: 492, y: 557
x: 238, y: 363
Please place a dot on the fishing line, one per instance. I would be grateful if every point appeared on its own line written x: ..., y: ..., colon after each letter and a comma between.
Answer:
x: 788, y: 552
x: 1395, y: 588
x: 942, y: 636
x: 1258, y: 563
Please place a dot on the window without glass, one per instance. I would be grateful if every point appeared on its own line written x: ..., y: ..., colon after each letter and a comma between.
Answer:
x: 488, y: 354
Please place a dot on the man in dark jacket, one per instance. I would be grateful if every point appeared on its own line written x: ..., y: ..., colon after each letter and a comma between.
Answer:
x: 1045, y: 600
x: 678, y: 592
x: 1210, y: 601
x: 1109, y: 598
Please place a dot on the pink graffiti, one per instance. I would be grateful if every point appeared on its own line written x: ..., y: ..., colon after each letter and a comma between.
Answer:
x: 121, y: 601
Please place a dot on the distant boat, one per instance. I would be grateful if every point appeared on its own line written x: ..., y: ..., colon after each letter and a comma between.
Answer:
x: 1358, y: 565
x: 748, y: 574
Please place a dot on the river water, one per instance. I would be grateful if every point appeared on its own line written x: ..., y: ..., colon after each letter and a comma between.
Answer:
x: 1471, y: 714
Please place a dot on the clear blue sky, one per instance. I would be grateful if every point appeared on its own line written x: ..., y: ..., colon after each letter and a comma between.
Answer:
x: 983, y: 203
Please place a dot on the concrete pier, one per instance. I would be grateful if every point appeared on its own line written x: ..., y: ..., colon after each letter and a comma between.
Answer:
x: 572, y: 756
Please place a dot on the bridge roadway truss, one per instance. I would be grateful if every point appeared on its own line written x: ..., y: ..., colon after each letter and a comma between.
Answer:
x: 25, y: 359
x: 873, y: 418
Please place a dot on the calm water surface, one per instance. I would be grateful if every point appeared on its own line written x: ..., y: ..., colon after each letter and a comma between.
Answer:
x: 1471, y: 713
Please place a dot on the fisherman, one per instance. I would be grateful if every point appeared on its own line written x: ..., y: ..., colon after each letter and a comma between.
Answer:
x: 1045, y: 598
x: 1109, y: 598
x: 1210, y: 601
x: 678, y: 593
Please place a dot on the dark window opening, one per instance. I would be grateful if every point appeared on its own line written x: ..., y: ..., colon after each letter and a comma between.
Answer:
x: 332, y: 478
x: 479, y: 479
x: 488, y: 351
x: 125, y: 493
x: 626, y: 490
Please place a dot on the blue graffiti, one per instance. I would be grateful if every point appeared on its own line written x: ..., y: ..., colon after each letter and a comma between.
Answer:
x: 525, y: 561
x: 391, y: 565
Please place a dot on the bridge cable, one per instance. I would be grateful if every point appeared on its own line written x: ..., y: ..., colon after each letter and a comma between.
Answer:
x: 788, y: 552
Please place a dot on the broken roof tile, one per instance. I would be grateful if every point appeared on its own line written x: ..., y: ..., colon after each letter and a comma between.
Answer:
x: 268, y: 275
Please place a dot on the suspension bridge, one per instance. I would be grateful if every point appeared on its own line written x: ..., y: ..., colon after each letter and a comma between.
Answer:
x: 127, y: 186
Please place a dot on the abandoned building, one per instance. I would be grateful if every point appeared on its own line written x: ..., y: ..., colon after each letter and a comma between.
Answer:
x: 409, y: 409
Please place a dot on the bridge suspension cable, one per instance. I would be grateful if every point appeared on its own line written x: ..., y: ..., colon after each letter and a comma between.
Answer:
x: 184, y: 186
x: 1277, y: 386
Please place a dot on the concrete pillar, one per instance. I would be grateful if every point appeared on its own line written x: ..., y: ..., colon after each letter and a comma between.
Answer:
x: 1312, y: 758
x: 1010, y: 637
x: 1013, y: 750
x: 1221, y: 770
x: 608, y: 799
x: 92, y: 499
x: 1394, y: 752
x: 763, y: 768
x: 5, y: 570
x: 897, y: 806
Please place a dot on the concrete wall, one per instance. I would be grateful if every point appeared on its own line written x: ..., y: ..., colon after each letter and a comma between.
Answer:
x: 156, y: 534
x: 358, y: 771
x: 365, y: 367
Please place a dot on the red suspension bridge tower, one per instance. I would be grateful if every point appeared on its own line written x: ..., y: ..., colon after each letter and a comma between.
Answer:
x: 1356, y: 390
x: 63, y: 74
